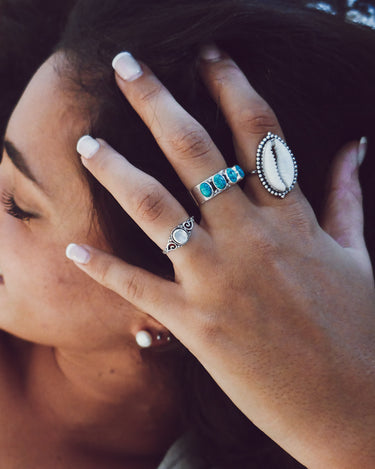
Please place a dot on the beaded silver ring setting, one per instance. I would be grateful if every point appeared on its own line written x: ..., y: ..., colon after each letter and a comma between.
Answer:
x: 216, y: 184
x: 180, y: 235
x: 276, y: 166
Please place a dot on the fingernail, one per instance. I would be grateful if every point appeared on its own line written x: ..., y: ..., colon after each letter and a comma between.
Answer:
x: 87, y: 146
x: 126, y: 66
x: 77, y: 254
x: 210, y: 53
x: 362, y: 149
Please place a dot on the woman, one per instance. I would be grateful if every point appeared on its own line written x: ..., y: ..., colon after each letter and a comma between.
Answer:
x: 117, y: 406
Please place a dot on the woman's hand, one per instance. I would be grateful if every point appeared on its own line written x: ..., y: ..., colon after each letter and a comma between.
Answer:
x: 278, y: 309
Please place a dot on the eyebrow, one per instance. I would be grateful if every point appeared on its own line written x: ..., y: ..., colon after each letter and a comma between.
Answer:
x: 19, y: 161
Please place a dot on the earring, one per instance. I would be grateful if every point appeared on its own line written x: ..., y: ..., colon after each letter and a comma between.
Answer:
x: 168, y: 337
x: 164, y: 337
x: 143, y: 339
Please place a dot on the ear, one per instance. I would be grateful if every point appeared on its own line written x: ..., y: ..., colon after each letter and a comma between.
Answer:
x: 149, y: 333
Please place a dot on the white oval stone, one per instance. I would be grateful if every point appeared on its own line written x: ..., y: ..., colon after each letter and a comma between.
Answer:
x: 180, y: 236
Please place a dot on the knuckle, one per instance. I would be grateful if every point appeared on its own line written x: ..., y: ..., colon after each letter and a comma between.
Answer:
x: 268, y: 249
x: 279, y: 241
x: 258, y: 120
x: 127, y: 284
x: 150, y: 203
x: 264, y: 241
x: 108, y: 161
x: 302, y: 218
x: 191, y: 143
x: 132, y: 287
x: 346, y: 194
x: 151, y: 94
x: 104, y: 274
x: 227, y: 73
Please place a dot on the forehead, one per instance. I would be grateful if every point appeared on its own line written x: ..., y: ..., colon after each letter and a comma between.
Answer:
x: 45, y: 126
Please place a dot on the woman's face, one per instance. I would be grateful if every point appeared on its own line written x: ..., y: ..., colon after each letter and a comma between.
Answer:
x: 46, y: 205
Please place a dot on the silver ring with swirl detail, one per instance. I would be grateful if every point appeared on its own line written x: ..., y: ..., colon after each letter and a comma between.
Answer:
x: 180, y: 235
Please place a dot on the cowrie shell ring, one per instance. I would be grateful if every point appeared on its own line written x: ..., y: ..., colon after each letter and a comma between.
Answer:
x: 276, y: 166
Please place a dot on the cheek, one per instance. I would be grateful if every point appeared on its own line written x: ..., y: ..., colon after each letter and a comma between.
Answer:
x: 42, y: 289
x: 32, y: 257
x: 39, y: 277
x: 47, y: 299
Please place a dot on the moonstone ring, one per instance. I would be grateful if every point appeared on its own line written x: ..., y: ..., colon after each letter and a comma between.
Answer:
x: 216, y: 184
x: 180, y: 235
x: 276, y: 166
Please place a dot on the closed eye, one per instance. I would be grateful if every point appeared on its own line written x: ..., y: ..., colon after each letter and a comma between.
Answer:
x: 13, y: 209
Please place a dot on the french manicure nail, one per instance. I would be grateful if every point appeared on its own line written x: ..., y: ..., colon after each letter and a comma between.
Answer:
x: 210, y: 53
x: 87, y: 146
x: 126, y: 66
x: 77, y: 254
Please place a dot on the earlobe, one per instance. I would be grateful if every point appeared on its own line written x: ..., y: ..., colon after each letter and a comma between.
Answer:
x: 148, y: 339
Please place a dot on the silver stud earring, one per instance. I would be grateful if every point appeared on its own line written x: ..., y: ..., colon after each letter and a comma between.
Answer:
x: 166, y: 338
x: 143, y: 339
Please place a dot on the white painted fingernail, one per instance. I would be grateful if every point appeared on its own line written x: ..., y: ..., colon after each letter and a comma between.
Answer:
x: 77, y: 254
x: 210, y: 53
x: 362, y: 149
x: 87, y: 146
x: 126, y: 66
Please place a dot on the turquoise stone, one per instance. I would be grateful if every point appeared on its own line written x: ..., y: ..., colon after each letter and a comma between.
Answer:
x: 205, y: 189
x: 240, y: 171
x: 219, y: 181
x: 232, y: 175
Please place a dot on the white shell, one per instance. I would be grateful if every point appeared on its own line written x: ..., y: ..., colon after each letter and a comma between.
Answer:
x: 277, y: 165
x: 285, y: 164
x: 270, y: 168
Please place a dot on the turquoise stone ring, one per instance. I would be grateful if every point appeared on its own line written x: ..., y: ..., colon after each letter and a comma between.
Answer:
x: 232, y: 175
x: 206, y: 189
x: 216, y: 184
x: 219, y: 181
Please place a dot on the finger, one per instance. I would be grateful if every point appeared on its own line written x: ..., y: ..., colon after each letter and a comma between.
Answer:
x: 149, y: 293
x: 183, y: 140
x: 247, y: 113
x: 146, y: 201
x: 343, y: 213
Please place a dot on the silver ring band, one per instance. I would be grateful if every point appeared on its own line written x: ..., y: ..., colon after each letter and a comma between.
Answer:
x: 180, y: 235
x: 216, y: 184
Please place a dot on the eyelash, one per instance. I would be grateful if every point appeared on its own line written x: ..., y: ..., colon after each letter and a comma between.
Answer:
x: 13, y: 209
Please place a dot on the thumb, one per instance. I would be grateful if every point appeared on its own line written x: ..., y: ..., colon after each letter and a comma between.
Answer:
x: 343, y: 212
